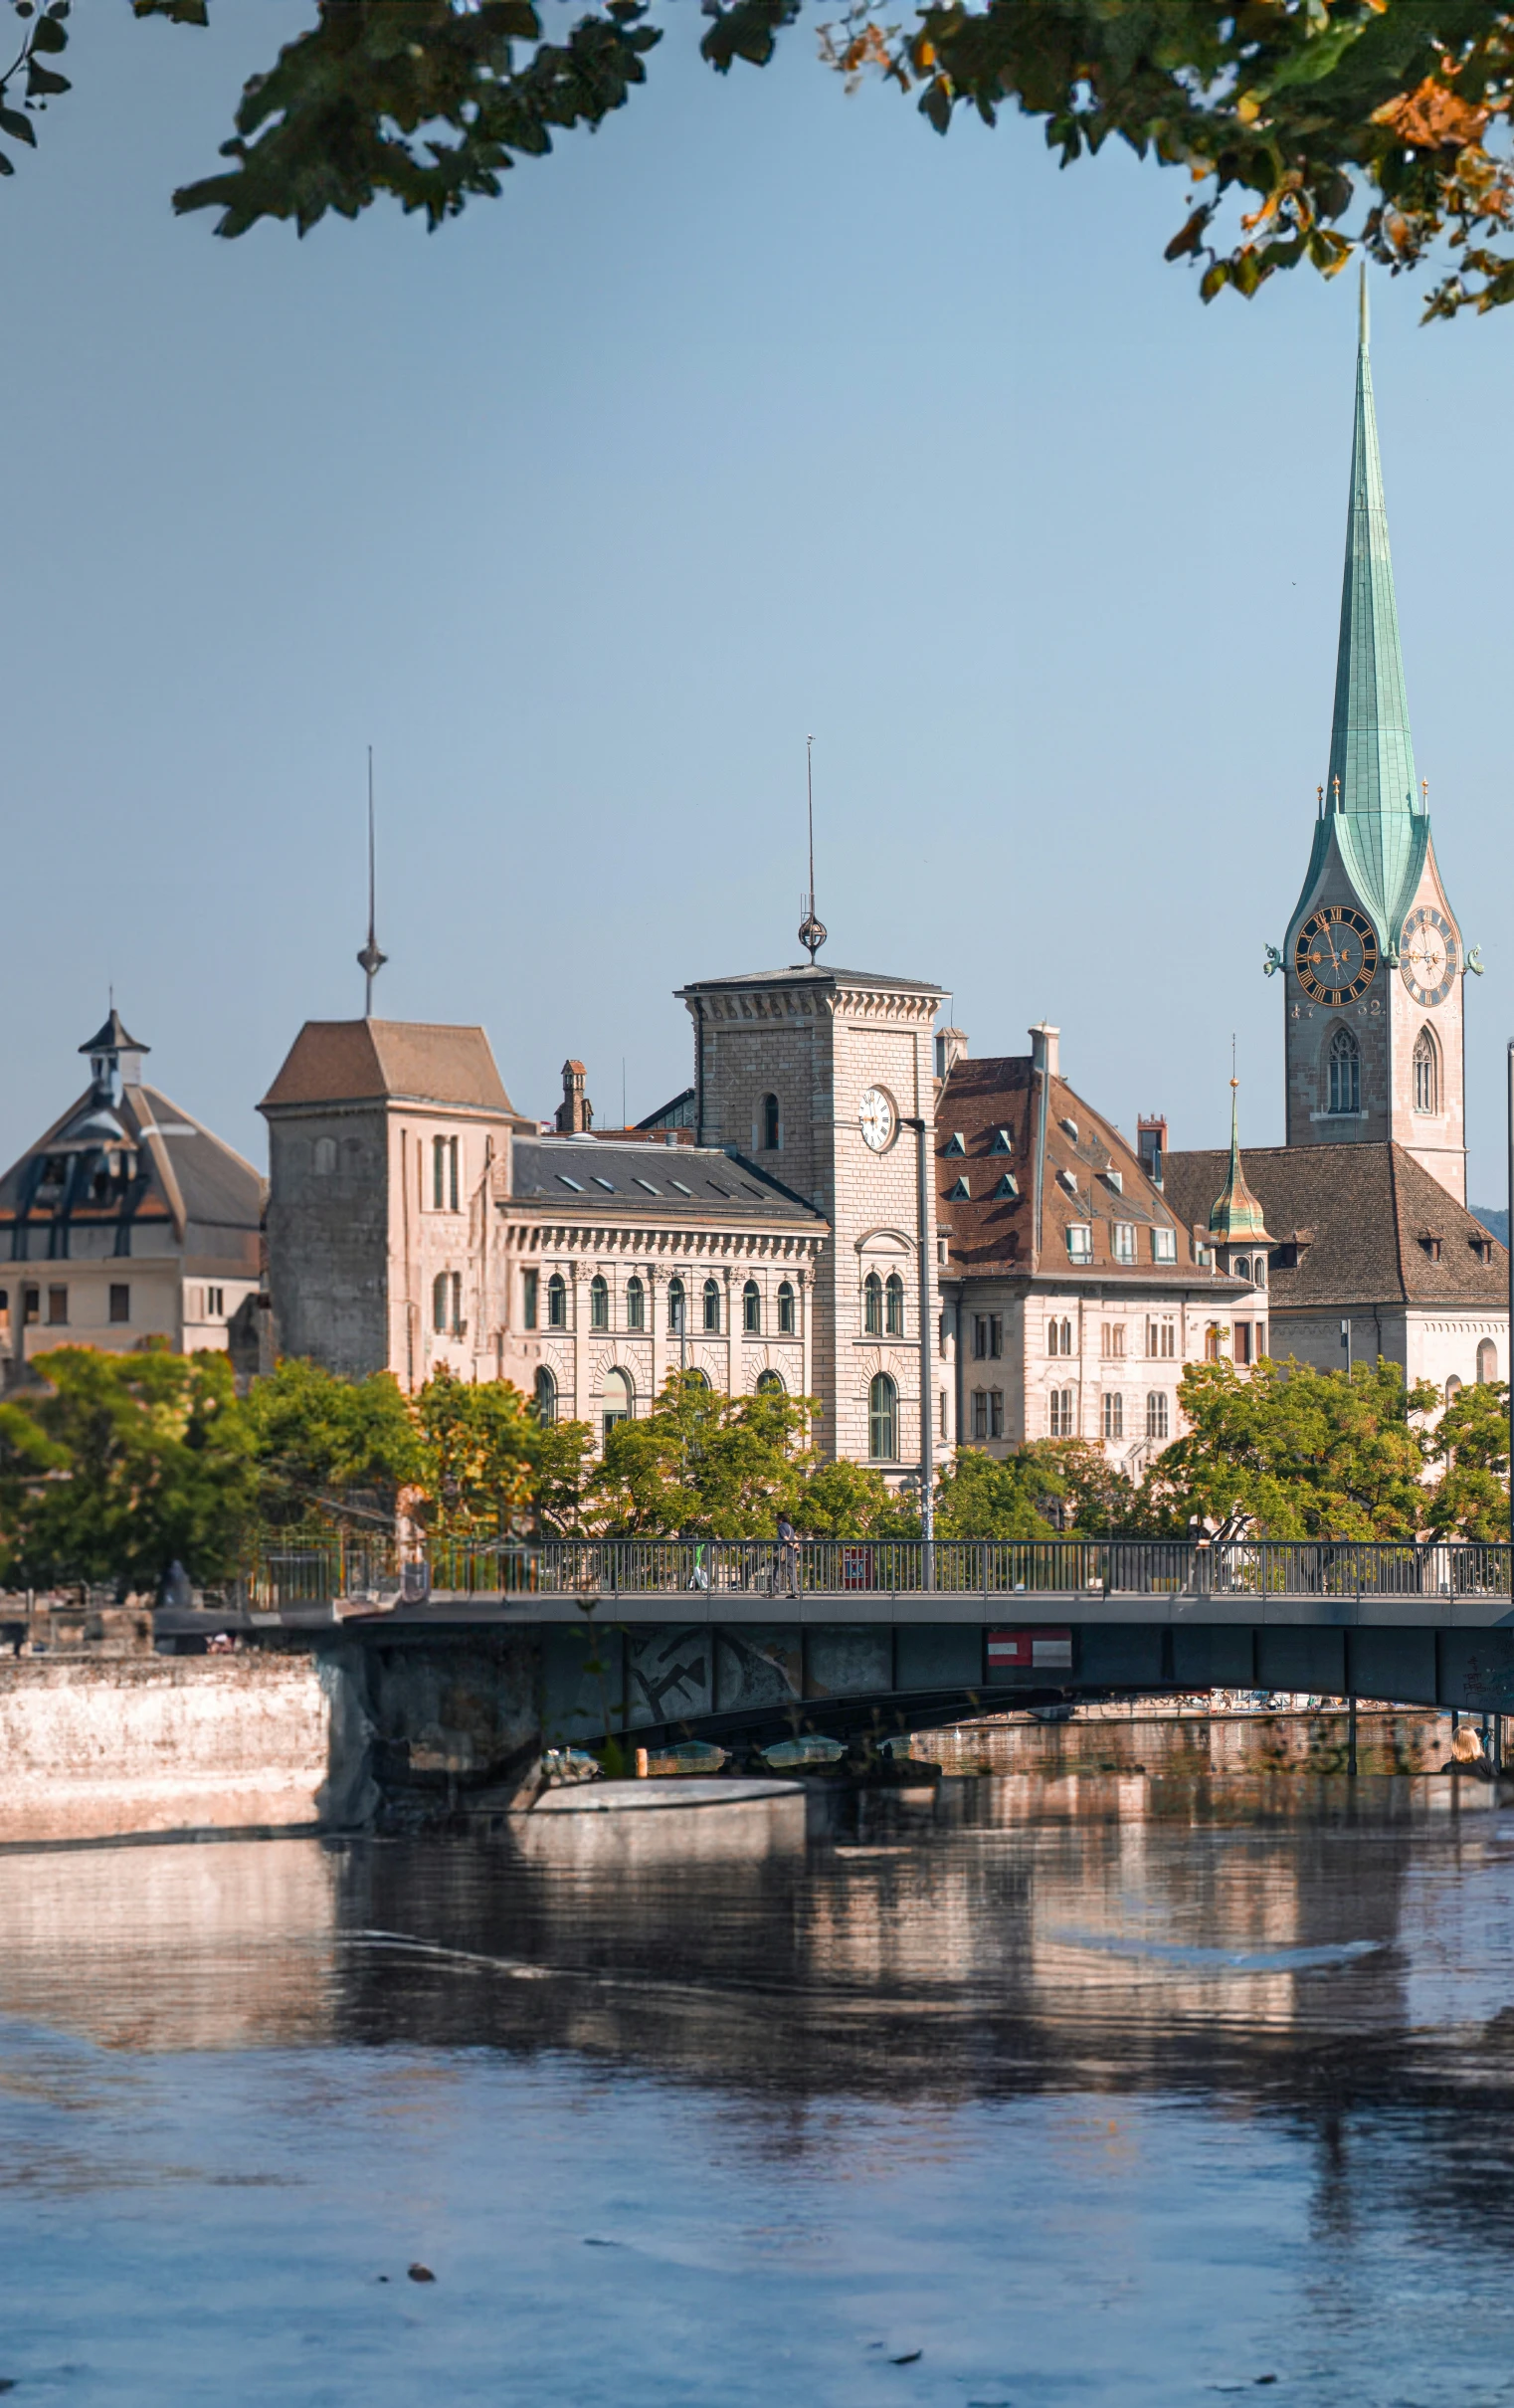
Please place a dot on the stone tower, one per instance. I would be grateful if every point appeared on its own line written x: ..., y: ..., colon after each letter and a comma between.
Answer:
x: 1374, y: 965
x: 816, y: 1073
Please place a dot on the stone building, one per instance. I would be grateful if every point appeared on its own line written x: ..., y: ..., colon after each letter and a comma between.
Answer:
x: 1073, y: 1293
x: 127, y: 1220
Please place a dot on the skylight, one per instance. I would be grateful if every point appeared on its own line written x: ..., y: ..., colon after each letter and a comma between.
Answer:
x: 606, y: 1184
x: 718, y: 1190
x: 683, y: 1190
x: 647, y: 1183
x: 565, y: 1181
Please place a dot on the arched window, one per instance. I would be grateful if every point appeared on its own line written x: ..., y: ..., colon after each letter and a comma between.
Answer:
x: 770, y: 1383
x: 1062, y: 1413
x: 1344, y: 1064
x: 557, y: 1301
x: 883, y: 1420
x: 693, y: 1377
x: 546, y: 1395
x: 751, y: 1309
x: 1156, y: 1413
x: 873, y: 1305
x: 620, y: 1399
x: 1487, y: 1362
x: 598, y: 1303
x: 786, y: 1310
x: 770, y: 1125
x: 895, y: 1298
x: 1114, y: 1417
x: 1426, y: 1073
x: 675, y: 1306
x: 635, y: 1303
x: 325, y: 1156
x: 1259, y: 1272
x: 438, y: 1302
x: 1243, y: 1267
x: 1452, y: 1389
x: 1058, y: 1337
x: 711, y: 1303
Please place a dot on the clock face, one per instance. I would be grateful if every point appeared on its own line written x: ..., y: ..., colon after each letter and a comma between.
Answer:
x: 1430, y: 956
x: 1335, y: 955
x: 878, y: 1118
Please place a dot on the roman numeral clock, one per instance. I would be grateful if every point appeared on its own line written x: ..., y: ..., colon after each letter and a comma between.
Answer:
x: 1335, y: 955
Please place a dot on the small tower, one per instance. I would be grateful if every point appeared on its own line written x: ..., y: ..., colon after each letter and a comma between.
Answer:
x: 116, y: 1060
x: 575, y: 1114
x: 1372, y: 969
x: 1236, y: 1225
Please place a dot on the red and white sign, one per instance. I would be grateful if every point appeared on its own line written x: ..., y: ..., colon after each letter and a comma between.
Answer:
x: 1040, y: 1651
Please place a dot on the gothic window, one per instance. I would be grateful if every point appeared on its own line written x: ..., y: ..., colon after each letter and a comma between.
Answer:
x: 1114, y: 1417
x: 675, y: 1306
x: 557, y: 1301
x: 620, y: 1399
x: 636, y: 1304
x: 711, y: 1303
x: 1426, y: 1073
x: 1058, y: 1337
x: 770, y: 1383
x: 1344, y: 1067
x: 873, y: 1305
x: 895, y: 1312
x: 546, y: 1395
x: 751, y: 1309
x: 1487, y: 1362
x: 1156, y: 1413
x: 786, y: 1310
x: 883, y: 1420
x: 438, y: 1303
x: 1061, y: 1412
x: 770, y: 1125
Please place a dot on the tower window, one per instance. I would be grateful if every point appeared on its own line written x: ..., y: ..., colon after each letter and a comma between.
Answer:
x: 711, y: 1303
x: 1426, y: 1073
x: 770, y: 1125
x: 883, y: 1420
x: 786, y: 1310
x: 1344, y: 1074
x: 598, y: 1303
x: 873, y: 1305
x: 895, y: 1303
x: 751, y: 1309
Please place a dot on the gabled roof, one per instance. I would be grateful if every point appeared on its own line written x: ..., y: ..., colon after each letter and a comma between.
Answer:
x: 378, y: 1061
x: 623, y: 1179
x: 1353, y: 1226
x: 1092, y: 1176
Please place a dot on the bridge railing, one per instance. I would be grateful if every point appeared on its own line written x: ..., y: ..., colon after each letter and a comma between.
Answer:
x: 377, y: 1572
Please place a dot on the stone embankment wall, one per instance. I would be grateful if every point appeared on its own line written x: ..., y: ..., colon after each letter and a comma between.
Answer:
x: 162, y: 1744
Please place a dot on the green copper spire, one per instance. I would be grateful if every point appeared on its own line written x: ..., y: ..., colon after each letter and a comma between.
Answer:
x: 1372, y: 755
x: 1236, y: 1216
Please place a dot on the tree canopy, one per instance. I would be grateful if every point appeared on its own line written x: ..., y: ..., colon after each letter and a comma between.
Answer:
x: 1304, y: 128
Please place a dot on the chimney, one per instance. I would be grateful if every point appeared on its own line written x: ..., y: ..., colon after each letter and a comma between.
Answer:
x: 1151, y: 1142
x: 1046, y: 1049
x: 951, y: 1046
x: 575, y: 1114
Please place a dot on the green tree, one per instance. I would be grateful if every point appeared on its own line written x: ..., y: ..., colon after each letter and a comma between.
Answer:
x: 1291, y: 116
x: 327, y: 1446
x: 979, y: 1497
x: 1310, y: 1453
x: 704, y: 1465
x: 142, y: 1458
x: 844, y: 1499
x: 1471, y: 1497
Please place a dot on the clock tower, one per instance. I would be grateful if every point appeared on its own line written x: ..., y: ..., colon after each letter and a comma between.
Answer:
x: 825, y: 1078
x: 1374, y: 967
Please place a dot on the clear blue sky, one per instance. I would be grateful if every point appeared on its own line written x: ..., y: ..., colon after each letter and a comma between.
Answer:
x: 761, y: 411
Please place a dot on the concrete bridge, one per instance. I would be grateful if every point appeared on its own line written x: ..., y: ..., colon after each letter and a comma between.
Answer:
x: 744, y: 1644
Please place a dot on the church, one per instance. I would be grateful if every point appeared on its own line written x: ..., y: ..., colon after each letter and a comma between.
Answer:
x: 847, y: 1204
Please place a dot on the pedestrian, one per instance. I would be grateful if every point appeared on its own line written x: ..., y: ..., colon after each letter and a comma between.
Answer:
x: 788, y: 1541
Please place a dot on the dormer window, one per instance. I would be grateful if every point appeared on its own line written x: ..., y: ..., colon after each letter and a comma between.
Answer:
x: 955, y: 1143
x: 1071, y: 1129
x: 1001, y: 1145
x: 1431, y: 1246
x: 1114, y: 1179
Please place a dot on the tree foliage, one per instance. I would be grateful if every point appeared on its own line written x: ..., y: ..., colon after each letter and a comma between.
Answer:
x: 1288, y: 117
x: 1471, y: 1439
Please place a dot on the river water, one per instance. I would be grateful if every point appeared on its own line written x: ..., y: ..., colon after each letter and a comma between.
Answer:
x: 1098, y: 2088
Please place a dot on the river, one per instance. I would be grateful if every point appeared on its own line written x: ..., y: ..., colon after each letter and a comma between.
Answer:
x: 1064, y: 2089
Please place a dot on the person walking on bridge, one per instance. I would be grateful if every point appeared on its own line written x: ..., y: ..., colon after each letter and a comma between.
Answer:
x: 788, y: 1541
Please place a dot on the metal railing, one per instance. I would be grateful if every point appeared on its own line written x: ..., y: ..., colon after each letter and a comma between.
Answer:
x: 380, y: 1574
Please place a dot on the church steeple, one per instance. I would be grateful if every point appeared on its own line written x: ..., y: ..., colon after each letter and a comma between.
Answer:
x: 1235, y: 1217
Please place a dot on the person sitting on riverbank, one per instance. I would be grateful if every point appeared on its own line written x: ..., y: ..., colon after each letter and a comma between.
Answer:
x: 1466, y: 1755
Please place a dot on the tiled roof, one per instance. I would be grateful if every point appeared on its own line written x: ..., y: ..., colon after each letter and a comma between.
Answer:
x: 370, y: 1061
x: 180, y: 1173
x: 1352, y: 1225
x: 1093, y: 1177
x: 624, y: 1179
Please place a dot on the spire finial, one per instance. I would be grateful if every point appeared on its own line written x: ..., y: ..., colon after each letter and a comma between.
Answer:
x: 812, y: 932
x: 370, y: 960
x: 1364, y: 314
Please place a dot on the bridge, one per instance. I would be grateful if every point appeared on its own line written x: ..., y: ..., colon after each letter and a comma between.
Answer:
x: 743, y: 1641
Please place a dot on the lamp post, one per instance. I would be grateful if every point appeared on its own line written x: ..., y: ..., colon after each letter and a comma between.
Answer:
x: 927, y: 1382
